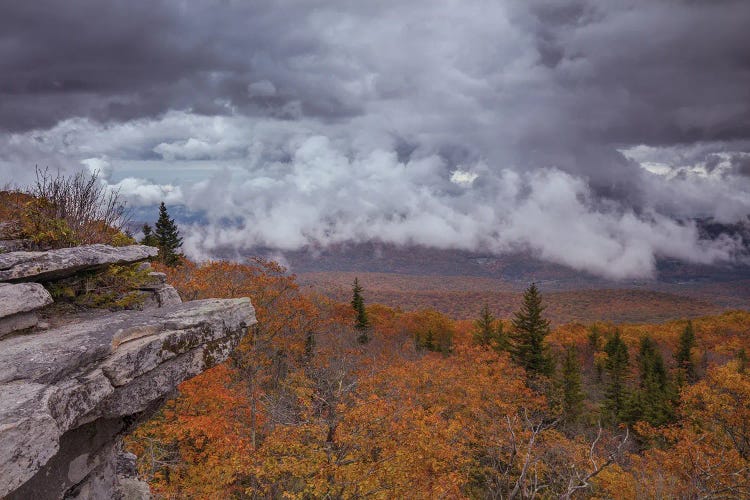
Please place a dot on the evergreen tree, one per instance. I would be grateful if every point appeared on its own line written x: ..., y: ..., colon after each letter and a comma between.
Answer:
x: 361, y: 322
x: 488, y: 331
x: 570, y: 385
x: 148, y: 237
x: 499, y: 341
x: 594, y: 337
x: 168, y: 237
x: 529, y: 330
x: 683, y: 356
x: 616, y: 367
x: 429, y: 341
x: 484, y: 327
x: 653, y: 402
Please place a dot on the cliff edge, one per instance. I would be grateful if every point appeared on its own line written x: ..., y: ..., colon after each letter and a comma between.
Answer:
x: 73, y: 381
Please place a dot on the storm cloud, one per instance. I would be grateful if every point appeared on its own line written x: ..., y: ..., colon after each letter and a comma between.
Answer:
x: 591, y: 134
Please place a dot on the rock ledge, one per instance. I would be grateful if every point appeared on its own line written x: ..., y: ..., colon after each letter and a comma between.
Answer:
x: 69, y: 393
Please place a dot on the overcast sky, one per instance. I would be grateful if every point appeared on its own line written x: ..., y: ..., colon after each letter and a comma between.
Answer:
x: 590, y: 134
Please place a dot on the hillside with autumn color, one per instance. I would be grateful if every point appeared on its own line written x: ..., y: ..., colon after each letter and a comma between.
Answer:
x: 462, y: 297
x: 334, y: 395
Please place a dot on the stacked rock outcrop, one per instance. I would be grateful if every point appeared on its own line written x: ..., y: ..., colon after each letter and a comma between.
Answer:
x: 18, y: 306
x: 71, y: 385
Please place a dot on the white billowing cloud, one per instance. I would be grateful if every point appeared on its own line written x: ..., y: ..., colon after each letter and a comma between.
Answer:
x: 191, y: 149
x: 558, y: 221
x: 98, y: 166
x: 323, y: 196
x: 287, y: 184
x: 463, y: 177
x: 698, y: 180
x: 140, y: 192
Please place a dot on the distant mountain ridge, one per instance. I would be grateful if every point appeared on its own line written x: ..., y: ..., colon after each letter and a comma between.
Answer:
x: 512, y: 268
x: 515, y: 269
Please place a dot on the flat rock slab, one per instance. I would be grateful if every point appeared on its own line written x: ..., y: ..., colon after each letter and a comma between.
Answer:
x: 64, y: 262
x: 76, y: 347
x: 17, y: 322
x: 22, y: 297
x: 103, y: 367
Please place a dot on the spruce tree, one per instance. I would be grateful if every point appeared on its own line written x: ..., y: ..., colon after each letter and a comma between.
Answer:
x: 484, y: 327
x: 499, y: 341
x: 570, y: 385
x: 529, y: 331
x: 168, y: 237
x: 594, y: 337
x: 361, y: 322
x: 653, y: 401
x: 149, y: 238
x: 683, y: 356
x: 429, y: 341
x: 616, y: 367
x: 489, y: 331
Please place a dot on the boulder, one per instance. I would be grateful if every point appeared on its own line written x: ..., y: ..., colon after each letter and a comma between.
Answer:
x: 67, y: 395
x: 167, y: 296
x: 64, y: 262
x: 22, y: 297
x: 160, y: 294
x: 17, y: 301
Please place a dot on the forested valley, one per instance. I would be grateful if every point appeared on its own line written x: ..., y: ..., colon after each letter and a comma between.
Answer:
x: 329, y: 399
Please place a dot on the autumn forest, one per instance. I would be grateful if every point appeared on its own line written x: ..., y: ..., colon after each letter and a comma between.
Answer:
x: 339, y: 399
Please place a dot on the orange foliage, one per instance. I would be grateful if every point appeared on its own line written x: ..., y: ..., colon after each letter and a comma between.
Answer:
x: 304, y: 411
x: 705, y: 455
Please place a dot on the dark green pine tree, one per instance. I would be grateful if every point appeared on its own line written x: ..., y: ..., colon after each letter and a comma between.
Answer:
x: 500, y: 341
x: 653, y: 402
x: 429, y: 341
x: 683, y: 357
x: 570, y: 386
x: 168, y: 237
x: 595, y: 337
x: 361, y: 322
x: 616, y: 367
x: 484, y: 327
x: 527, y: 338
x: 489, y: 331
x: 149, y: 238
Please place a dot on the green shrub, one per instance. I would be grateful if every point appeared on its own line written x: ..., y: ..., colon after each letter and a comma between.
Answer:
x: 115, y: 288
x: 40, y: 226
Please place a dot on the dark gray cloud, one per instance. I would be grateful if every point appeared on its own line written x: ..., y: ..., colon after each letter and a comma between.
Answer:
x: 630, y: 115
x: 630, y: 72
